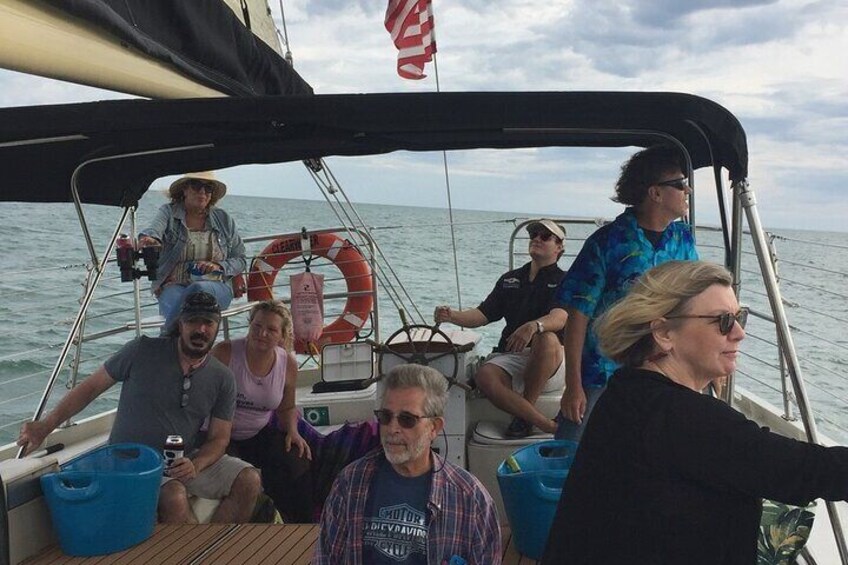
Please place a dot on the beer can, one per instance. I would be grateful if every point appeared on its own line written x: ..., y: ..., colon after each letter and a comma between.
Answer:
x: 174, y: 449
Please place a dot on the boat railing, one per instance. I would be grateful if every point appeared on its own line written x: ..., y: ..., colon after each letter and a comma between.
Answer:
x: 110, y: 316
x: 806, y: 278
x: 762, y: 369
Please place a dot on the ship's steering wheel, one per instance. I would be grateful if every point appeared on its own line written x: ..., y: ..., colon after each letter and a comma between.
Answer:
x: 423, y: 353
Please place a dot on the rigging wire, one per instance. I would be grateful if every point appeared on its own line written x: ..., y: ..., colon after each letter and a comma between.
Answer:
x: 798, y: 240
x: 329, y: 186
x: 450, y: 204
x: 376, y: 245
x: 758, y: 381
x: 285, y: 36
x: 330, y: 190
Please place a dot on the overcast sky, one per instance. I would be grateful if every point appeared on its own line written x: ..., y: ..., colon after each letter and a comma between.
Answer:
x: 779, y: 66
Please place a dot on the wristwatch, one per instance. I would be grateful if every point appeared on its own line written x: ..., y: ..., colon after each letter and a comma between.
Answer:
x: 539, y: 327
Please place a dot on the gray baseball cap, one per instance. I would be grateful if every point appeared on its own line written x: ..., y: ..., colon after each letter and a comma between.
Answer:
x: 201, y: 305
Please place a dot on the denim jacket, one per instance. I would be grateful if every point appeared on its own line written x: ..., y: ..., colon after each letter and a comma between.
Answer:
x: 169, y: 228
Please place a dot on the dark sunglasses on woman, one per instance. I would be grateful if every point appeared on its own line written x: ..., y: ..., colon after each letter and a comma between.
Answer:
x: 198, y: 186
x: 725, y: 321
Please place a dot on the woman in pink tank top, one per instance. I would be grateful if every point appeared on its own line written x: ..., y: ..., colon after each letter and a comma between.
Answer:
x: 265, y: 372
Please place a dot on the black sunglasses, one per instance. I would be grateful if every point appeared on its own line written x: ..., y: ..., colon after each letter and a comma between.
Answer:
x: 725, y: 321
x: 680, y: 184
x: 544, y: 235
x: 186, y: 387
x: 207, y: 188
x: 407, y: 420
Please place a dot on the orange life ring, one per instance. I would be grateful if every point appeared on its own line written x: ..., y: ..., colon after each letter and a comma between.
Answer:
x: 346, y: 257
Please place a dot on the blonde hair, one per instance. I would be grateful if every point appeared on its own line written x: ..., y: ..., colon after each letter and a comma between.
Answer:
x: 280, y: 309
x: 624, y: 331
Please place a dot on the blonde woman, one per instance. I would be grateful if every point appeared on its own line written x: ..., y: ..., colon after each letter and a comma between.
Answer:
x: 265, y: 371
x: 664, y: 473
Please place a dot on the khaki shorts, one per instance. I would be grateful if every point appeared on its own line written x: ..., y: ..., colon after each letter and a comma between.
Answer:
x: 216, y: 480
x: 515, y: 363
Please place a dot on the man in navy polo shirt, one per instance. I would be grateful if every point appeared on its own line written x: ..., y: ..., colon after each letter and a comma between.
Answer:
x: 529, y: 356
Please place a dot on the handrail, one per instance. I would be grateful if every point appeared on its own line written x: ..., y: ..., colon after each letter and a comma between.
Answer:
x: 748, y: 202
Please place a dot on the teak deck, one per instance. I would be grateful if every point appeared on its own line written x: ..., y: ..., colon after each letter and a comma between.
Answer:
x: 289, y: 544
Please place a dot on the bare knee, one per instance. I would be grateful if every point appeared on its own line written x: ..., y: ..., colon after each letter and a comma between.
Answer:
x: 248, y: 484
x: 173, y: 503
x: 545, y: 344
x: 491, y: 377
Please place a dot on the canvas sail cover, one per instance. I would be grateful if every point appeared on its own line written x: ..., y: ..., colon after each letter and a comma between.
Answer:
x: 203, y: 39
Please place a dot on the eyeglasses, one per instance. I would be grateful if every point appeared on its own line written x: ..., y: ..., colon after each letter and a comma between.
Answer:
x: 725, y: 321
x: 186, y: 387
x: 198, y: 186
x: 407, y: 420
x: 544, y: 235
x: 680, y: 184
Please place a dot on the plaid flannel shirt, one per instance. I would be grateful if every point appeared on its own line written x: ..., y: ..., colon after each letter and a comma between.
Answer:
x: 462, y: 518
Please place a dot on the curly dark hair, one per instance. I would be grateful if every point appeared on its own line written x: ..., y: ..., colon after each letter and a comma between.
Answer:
x: 644, y: 169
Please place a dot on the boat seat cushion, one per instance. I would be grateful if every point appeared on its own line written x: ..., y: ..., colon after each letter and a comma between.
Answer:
x: 784, y: 530
x: 494, y: 433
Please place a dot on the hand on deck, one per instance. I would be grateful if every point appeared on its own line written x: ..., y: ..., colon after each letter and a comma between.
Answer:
x: 182, y: 469
x: 32, y: 435
x: 573, y: 404
x: 296, y: 440
x: 520, y: 338
x: 442, y: 314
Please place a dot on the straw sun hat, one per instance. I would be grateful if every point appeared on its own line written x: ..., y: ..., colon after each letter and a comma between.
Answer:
x: 208, y: 177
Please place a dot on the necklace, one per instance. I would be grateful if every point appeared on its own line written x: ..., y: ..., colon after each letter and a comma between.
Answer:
x: 191, y: 367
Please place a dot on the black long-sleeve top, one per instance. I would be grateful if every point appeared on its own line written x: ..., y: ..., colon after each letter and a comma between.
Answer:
x: 665, y: 475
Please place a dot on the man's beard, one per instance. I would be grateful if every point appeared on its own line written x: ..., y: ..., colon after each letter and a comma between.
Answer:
x: 413, y: 451
x: 196, y: 350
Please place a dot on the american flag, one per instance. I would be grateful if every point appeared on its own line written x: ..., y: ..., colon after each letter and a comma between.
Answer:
x: 411, y: 24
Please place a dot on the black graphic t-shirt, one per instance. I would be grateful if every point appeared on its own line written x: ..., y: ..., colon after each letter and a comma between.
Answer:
x: 396, y: 518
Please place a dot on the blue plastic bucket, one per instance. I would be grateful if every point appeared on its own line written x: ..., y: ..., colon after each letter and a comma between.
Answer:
x: 105, y: 501
x: 531, y: 494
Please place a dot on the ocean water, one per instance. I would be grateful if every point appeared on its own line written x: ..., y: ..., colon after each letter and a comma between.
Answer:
x: 44, y: 268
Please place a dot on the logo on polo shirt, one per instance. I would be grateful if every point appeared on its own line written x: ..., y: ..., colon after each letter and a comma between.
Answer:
x: 511, y: 282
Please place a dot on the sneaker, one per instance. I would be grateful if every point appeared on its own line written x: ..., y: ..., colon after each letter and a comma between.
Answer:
x: 518, y: 429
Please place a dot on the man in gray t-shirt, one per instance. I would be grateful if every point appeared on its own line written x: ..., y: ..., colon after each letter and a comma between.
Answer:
x: 171, y: 385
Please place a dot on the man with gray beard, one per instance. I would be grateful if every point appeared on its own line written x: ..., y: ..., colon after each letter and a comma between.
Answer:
x: 402, y: 503
x: 170, y: 385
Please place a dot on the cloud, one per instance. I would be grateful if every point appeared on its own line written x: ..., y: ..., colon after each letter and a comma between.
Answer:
x: 657, y: 13
x: 776, y: 64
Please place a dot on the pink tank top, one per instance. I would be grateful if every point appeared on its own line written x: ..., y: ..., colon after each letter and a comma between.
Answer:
x: 256, y: 397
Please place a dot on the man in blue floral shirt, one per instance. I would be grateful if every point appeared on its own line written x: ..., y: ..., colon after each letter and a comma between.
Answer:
x: 656, y: 193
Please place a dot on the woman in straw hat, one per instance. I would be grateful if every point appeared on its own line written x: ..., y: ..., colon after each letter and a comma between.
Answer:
x: 201, y: 247
x: 664, y: 473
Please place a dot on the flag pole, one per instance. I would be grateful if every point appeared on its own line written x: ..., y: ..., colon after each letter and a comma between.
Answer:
x: 448, y: 191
